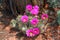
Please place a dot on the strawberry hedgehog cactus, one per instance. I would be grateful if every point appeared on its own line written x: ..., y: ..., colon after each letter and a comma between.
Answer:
x: 30, y: 25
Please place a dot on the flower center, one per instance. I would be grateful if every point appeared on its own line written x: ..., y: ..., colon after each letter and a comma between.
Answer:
x: 34, y: 22
x: 24, y: 20
x: 31, y: 33
x: 35, y: 30
x: 44, y: 17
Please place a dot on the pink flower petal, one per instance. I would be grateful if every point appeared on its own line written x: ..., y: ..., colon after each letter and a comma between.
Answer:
x: 30, y: 33
x: 24, y: 18
x: 34, y: 21
x: 34, y: 12
x: 29, y: 7
x: 44, y: 16
x: 36, y: 31
x: 36, y: 7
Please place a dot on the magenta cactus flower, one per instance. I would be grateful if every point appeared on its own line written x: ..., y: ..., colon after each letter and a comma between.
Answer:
x: 34, y: 21
x: 30, y: 33
x: 29, y: 7
x: 34, y: 11
x: 36, y: 31
x: 24, y: 18
x: 44, y: 16
x: 36, y: 7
